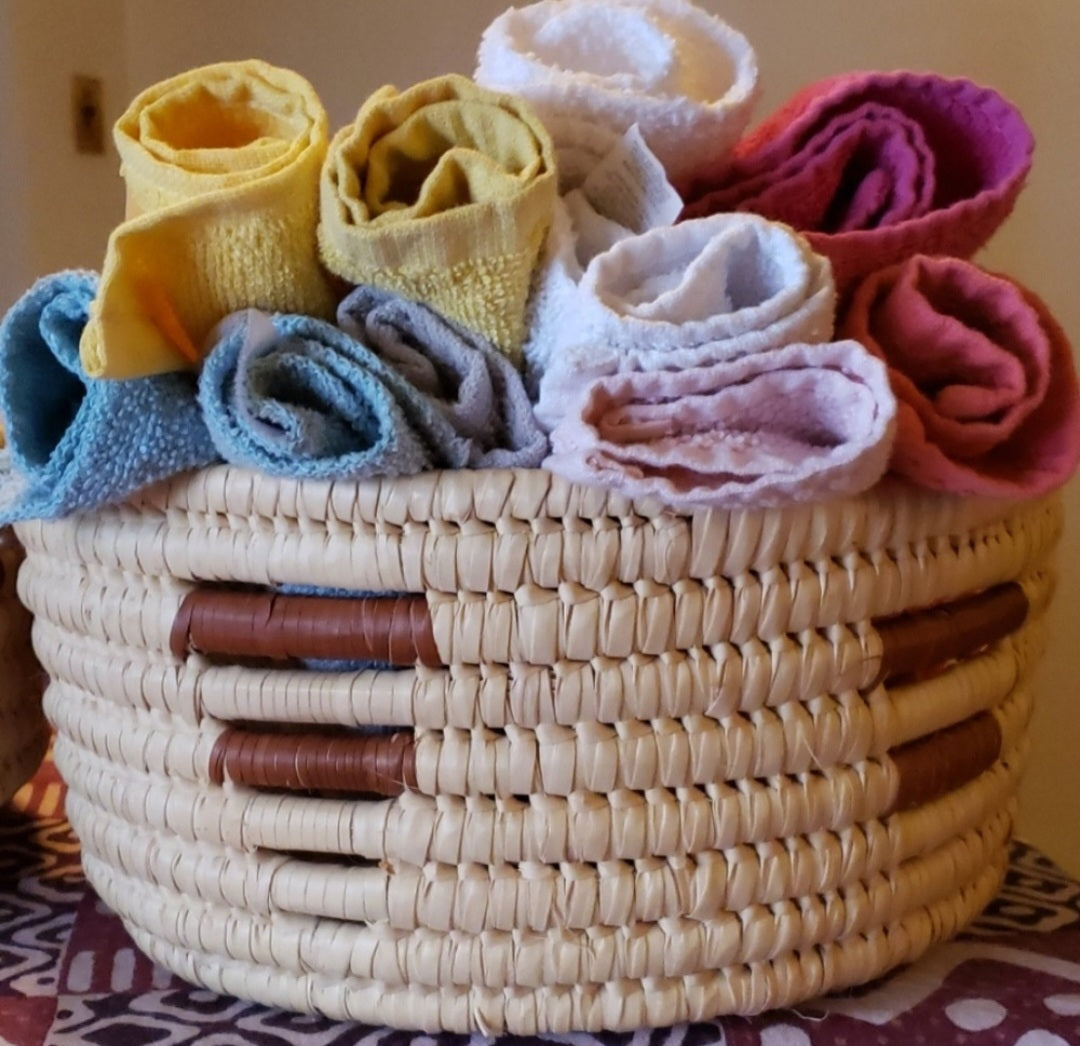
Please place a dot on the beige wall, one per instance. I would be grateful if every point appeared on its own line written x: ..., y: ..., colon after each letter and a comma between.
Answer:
x: 57, y: 208
x: 56, y: 205
x: 13, y: 272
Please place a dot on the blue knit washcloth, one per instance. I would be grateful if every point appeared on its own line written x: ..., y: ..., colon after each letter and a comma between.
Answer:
x: 77, y: 442
x: 472, y: 383
x: 295, y: 396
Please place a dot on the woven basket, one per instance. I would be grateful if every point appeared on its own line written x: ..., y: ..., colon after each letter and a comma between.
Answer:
x: 24, y: 733
x: 633, y: 768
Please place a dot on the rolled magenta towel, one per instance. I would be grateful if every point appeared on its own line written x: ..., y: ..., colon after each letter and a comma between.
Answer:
x: 475, y: 386
x: 687, y: 295
x: 984, y: 376
x: 221, y: 166
x: 876, y: 167
x: 686, y: 78
x: 78, y: 442
x: 799, y: 423
x: 442, y: 193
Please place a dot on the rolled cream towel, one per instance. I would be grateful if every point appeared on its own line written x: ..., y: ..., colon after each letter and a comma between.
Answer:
x: 78, y: 442
x: 474, y: 385
x: 984, y: 376
x: 221, y: 166
x: 799, y: 423
x: 443, y: 194
x: 686, y: 78
x: 611, y: 187
x: 876, y: 167
x: 687, y: 295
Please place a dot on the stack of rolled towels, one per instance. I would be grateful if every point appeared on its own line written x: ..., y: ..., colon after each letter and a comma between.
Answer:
x: 582, y: 258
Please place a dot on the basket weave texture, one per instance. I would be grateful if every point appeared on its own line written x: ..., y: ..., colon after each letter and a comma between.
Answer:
x: 24, y: 733
x: 569, y: 763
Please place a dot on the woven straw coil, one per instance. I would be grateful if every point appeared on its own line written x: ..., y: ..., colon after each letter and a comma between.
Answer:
x: 24, y: 733
x: 630, y: 767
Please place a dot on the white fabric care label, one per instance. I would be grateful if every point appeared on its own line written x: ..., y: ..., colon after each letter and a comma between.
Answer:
x: 630, y: 187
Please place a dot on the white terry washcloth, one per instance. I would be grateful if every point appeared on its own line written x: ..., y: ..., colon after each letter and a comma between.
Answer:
x: 689, y: 295
x: 611, y: 187
x: 688, y: 79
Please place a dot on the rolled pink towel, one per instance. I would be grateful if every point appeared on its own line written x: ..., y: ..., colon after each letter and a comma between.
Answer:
x: 681, y: 296
x: 876, y: 167
x: 799, y: 423
x: 988, y: 396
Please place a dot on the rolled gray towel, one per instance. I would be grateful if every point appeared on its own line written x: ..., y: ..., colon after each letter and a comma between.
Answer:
x: 473, y: 385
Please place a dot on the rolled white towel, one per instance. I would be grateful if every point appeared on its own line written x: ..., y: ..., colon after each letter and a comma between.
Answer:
x: 688, y: 79
x: 612, y: 187
x: 688, y: 295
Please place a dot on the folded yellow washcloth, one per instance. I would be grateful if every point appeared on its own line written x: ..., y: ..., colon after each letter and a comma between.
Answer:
x: 442, y: 193
x: 221, y: 166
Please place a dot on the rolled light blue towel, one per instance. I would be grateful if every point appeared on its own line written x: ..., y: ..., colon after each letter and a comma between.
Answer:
x: 469, y: 381
x: 78, y: 442
x: 295, y: 396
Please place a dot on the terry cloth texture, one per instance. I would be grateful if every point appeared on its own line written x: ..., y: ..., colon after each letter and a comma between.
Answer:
x: 473, y: 384
x: 443, y: 194
x: 612, y: 187
x: 78, y: 442
x: 800, y: 423
x: 221, y: 166
x: 686, y: 78
x: 876, y: 167
x: 984, y: 376
x: 687, y: 295
x: 295, y: 396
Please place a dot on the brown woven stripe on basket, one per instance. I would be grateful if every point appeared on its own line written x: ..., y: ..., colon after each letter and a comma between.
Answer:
x: 916, y: 642
x: 928, y: 768
x: 378, y: 765
x: 933, y: 766
x: 396, y: 630
x: 393, y: 630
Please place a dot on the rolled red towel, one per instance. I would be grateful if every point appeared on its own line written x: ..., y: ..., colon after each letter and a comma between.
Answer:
x: 988, y: 401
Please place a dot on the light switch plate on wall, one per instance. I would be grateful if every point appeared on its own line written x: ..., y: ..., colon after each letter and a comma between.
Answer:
x: 87, y: 114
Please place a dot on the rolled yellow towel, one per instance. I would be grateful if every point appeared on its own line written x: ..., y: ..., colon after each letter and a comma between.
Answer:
x: 442, y: 193
x: 221, y: 166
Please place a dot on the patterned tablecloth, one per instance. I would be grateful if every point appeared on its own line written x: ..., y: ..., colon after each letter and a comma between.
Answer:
x: 70, y: 976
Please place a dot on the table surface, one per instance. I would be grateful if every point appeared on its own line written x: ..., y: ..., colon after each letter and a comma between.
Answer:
x: 70, y: 976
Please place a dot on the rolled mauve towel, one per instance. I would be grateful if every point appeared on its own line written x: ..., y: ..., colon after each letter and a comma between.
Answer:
x: 799, y: 423
x: 686, y: 78
x: 687, y: 295
x: 984, y: 376
x: 876, y: 167
x: 475, y: 386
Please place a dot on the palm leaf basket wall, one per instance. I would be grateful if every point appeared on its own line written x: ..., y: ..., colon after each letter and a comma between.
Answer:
x: 24, y: 733
x: 603, y: 765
